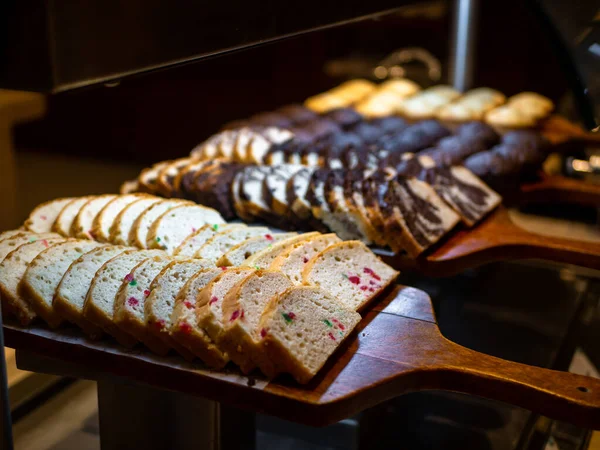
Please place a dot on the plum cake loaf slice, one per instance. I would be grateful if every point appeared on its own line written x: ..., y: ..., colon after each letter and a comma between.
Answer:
x: 170, y: 229
x: 12, y: 269
x: 264, y: 258
x: 83, y: 223
x: 244, y: 250
x: 194, y: 241
x: 209, y: 312
x: 124, y: 221
x: 100, y: 299
x: 65, y: 218
x: 104, y: 221
x: 42, y: 218
x: 350, y: 272
x: 221, y: 242
x: 42, y: 277
x: 184, y: 325
x: 242, y: 309
x: 291, y: 262
x: 10, y: 243
x: 159, y: 305
x: 302, y: 328
x: 139, y: 230
x: 131, y: 298
x: 11, y: 233
x: 74, y: 285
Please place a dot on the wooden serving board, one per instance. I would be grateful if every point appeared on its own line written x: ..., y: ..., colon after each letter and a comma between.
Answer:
x: 559, y: 189
x: 396, y: 349
x: 496, y: 238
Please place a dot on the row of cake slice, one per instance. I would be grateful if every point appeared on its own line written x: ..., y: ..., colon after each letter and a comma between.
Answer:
x: 407, y: 209
x: 284, y: 309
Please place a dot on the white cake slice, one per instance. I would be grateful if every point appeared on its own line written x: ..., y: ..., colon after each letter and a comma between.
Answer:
x: 12, y: 233
x: 12, y: 270
x: 264, y: 258
x: 171, y: 228
x: 100, y: 299
x: 43, y: 216
x: 73, y: 288
x: 139, y: 230
x: 242, y: 251
x: 124, y: 221
x: 82, y: 225
x: 223, y: 241
x: 8, y: 244
x: 42, y: 277
x: 159, y: 305
x: 64, y: 221
x: 104, y: 221
x: 194, y: 241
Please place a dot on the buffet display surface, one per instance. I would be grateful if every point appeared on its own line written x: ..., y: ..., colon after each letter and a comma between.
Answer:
x: 396, y: 349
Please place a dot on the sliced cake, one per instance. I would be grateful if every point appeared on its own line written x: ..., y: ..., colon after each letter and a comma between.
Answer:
x: 302, y: 328
x: 73, y: 288
x: 223, y: 241
x: 44, y: 273
x: 123, y: 223
x: 82, y: 225
x: 209, y: 303
x: 296, y: 190
x: 104, y: 221
x: 64, y: 221
x: 238, y: 202
x: 291, y: 262
x: 264, y: 258
x: 166, y: 178
x: 131, y: 298
x: 159, y: 305
x: 242, y: 309
x: 100, y: 299
x: 350, y: 272
x: 251, y: 192
x: 11, y: 233
x: 194, y: 241
x: 184, y: 326
x: 12, y: 270
x: 139, y: 230
x: 242, y: 251
x: 212, y: 187
x: 16, y: 240
x: 275, y: 186
x: 43, y: 216
x: 170, y: 229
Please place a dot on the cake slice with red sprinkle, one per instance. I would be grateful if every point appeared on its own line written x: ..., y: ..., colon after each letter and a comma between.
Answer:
x: 350, y: 272
x: 302, y: 328
x: 292, y: 261
x: 159, y: 305
x: 242, y: 309
x: 209, y: 312
x: 264, y: 258
x: 184, y: 326
x: 42, y: 218
x: 131, y: 298
x: 242, y: 251
x: 221, y: 242
x: 82, y: 225
x: 194, y: 241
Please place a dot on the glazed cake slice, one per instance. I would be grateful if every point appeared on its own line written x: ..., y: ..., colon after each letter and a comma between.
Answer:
x: 302, y: 328
x: 170, y: 229
x: 350, y: 272
x: 104, y: 221
x: 242, y: 251
x: 242, y: 309
x: 64, y: 221
x: 291, y: 262
x: 131, y: 298
x: 264, y: 258
x: 74, y: 285
x: 42, y: 218
x: 416, y: 214
x: 159, y: 305
x: 123, y: 223
x: 209, y: 303
x: 275, y: 185
x: 194, y: 241
x: 44, y: 273
x: 100, y: 299
x: 141, y: 226
x: 12, y: 270
x: 82, y: 225
x: 184, y: 326
x: 222, y: 242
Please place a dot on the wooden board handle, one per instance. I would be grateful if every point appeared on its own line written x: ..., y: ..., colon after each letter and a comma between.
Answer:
x: 564, y: 395
x: 559, y: 189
